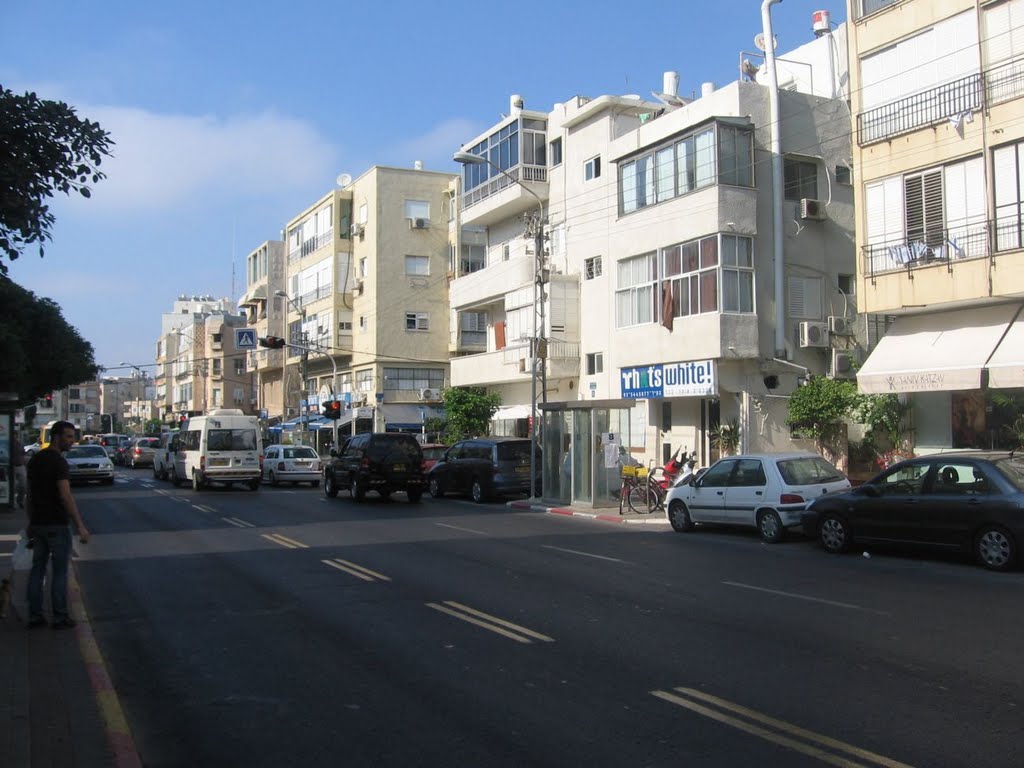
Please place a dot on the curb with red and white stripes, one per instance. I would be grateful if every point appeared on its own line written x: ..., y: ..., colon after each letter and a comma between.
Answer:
x: 602, y: 516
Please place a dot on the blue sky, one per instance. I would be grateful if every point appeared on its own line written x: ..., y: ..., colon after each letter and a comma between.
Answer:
x: 232, y: 117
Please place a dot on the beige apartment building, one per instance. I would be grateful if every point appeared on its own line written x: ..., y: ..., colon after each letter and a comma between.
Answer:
x: 265, y: 312
x: 365, y: 302
x: 657, y: 319
x: 937, y: 99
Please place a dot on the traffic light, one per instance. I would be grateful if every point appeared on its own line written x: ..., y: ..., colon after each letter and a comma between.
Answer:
x: 274, y: 342
x: 332, y: 409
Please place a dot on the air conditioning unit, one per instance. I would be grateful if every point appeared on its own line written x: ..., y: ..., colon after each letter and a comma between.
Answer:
x: 840, y: 326
x: 419, y: 223
x: 428, y: 394
x: 813, y: 335
x: 357, y: 230
x: 357, y: 286
x: 843, y: 365
x: 812, y: 210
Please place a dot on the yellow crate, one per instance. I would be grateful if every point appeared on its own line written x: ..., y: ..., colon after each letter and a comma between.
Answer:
x: 640, y: 472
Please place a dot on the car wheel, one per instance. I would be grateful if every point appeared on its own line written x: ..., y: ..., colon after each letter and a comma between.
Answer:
x: 330, y: 489
x: 384, y: 494
x: 477, y: 491
x: 156, y: 475
x: 435, y: 488
x: 197, y: 481
x: 679, y: 516
x: 414, y: 495
x: 356, y: 490
x: 174, y: 476
x: 770, y: 526
x: 995, y: 548
x: 273, y: 479
x: 834, y: 534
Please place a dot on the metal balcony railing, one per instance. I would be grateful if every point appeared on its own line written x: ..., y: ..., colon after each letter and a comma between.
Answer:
x: 938, y: 246
x: 500, y: 181
x: 921, y: 110
x: 1004, y: 81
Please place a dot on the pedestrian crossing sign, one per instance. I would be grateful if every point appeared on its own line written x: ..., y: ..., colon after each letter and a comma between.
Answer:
x: 245, y: 338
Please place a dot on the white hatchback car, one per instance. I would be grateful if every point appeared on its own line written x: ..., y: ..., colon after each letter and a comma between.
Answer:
x: 766, y: 491
x: 291, y: 464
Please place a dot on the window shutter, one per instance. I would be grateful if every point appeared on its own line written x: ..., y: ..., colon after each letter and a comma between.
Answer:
x: 805, y: 298
x: 499, y: 334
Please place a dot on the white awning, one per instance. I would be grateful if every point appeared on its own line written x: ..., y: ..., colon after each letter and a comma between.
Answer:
x: 512, y: 412
x: 937, y: 351
x: 1006, y: 366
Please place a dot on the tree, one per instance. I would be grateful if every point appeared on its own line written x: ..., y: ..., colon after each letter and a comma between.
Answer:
x: 468, y: 412
x: 45, y: 148
x: 817, y: 407
x: 39, y: 350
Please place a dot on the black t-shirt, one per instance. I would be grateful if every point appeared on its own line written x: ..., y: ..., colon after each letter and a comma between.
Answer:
x: 45, y: 470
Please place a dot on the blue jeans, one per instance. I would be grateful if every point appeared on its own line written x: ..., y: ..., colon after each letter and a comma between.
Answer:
x: 50, y: 541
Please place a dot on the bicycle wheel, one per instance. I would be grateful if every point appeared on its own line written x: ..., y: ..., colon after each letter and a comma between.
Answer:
x: 640, y: 499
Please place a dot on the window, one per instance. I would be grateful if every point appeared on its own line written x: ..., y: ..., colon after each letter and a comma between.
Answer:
x: 474, y: 258
x: 960, y: 480
x: 801, y: 179
x: 417, y: 209
x: 737, y: 274
x: 216, y: 367
x: 595, y: 363
x: 417, y: 265
x: 1008, y: 170
x: 364, y: 324
x: 413, y: 379
x: 239, y: 366
x: 474, y: 327
x: 363, y: 268
x: 864, y: 7
x: 635, y: 301
x: 534, y: 142
x: 364, y: 380
x: 555, y: 153
x: 592, y: 268
x: 364, y: 213
x: 749, y: 474
x: 718, y: 475
x: 905, y: 481
x: 923, y: 195
x: 417, y: 321
x: 690, y: 273
x: 345, y: 325
x: 217, y: 401
x: 687, y: 164
x: 846, y: 284
x: 592, y: 168
x: 74, y: 393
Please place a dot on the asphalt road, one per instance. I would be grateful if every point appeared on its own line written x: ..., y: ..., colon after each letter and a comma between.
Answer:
x: 283, y: 628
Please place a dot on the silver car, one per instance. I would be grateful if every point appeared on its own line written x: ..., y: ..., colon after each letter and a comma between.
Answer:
x: 767, y: 491
x: 89, y: 463
x: 291, y: 464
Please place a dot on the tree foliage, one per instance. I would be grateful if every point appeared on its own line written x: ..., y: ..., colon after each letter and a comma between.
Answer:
x: 468, y: 412
x: 820, y: 404
x: 39, y: 350
x: 45, y: 148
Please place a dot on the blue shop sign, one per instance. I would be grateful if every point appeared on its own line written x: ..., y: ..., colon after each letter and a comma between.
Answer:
x: 694, y: 378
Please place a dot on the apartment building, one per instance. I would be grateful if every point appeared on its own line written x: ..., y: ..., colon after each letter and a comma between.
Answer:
x: 366, y: 300
x: 264, y: 311
x: 937, y: 99
x: 199, y: 366
x: 657, y: 316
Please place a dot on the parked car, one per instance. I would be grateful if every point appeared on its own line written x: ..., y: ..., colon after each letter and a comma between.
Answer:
x: 484, y: 467
x: 384, y: 462
x: 33, y: 448
x: 291, y: 464
x: 140, y: 451
x: 89, y: 463
x: 968, y: 502
x: 432, y: 453
x: 767, y: 491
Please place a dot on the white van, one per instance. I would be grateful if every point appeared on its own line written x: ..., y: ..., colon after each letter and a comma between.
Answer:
x: 223, y: 446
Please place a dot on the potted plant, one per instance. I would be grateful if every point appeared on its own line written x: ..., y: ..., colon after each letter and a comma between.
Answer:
x: 726, y: 437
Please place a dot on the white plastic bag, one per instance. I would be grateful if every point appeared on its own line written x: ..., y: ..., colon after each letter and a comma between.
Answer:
x: 21, y: 558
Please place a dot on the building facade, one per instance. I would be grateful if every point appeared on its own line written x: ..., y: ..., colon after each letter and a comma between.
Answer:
x: 264, y: 312
x: 656, y: 314
x: 937, y: 96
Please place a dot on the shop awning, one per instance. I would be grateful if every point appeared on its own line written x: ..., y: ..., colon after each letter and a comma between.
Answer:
x: 512, y: 412
x: 937, y: 351
x: 1006, y: 366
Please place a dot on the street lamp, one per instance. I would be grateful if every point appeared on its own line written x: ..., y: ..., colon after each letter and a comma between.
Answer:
x: 468, y: 158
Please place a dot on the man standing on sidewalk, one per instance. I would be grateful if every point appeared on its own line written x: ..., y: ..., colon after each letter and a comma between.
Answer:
x: 51, y: 508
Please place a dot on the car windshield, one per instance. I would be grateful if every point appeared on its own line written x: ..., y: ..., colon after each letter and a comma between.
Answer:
x: 151, y: 442
x: 435, y: 452
x: 808, y: 470
x: 386, y: 445
x: 518, y: 452
x: 231, y: 440
x: 299, y: 453
x: 1013, y: 470
x: 85, y: 452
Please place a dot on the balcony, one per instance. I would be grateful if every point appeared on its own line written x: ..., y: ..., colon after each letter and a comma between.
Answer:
x: 500, y: 197
x: 939, y: 246
x: 920, y: 110
x: 490, y: 283
x: 512, y: 364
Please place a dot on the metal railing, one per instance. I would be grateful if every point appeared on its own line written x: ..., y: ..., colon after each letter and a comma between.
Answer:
x: 1004, y: 81
x: 934, y: 246
x: 500, y: 181
x: 920, y: 110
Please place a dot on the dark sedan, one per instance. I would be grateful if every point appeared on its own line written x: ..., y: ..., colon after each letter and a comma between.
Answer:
x: 971, y: 502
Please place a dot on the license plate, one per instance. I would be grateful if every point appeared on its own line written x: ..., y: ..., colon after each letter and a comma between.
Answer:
x: 399, y: 467
x: 220, y: 462
x: 301, y: 463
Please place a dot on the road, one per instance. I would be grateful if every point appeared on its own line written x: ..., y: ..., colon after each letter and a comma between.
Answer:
x: 283, y: 628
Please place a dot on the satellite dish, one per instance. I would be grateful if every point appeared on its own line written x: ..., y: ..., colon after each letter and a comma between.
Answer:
x: 759, y: 41
x: 343, y: 180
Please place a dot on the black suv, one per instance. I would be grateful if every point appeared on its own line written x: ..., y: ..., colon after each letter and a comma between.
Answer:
x: 483, y: 467
x: 376, y: 461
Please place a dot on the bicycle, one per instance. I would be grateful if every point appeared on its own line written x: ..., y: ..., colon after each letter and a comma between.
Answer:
x: 641, y: 490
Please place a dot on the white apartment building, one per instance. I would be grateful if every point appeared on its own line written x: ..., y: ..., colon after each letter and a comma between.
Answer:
x: 659, y: 300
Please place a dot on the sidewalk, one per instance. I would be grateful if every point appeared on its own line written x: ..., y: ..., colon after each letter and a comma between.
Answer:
x: 57, y: 706
x: 605, y: 515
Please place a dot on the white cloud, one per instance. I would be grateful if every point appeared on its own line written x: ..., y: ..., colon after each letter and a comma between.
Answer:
x: 163, y: 161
